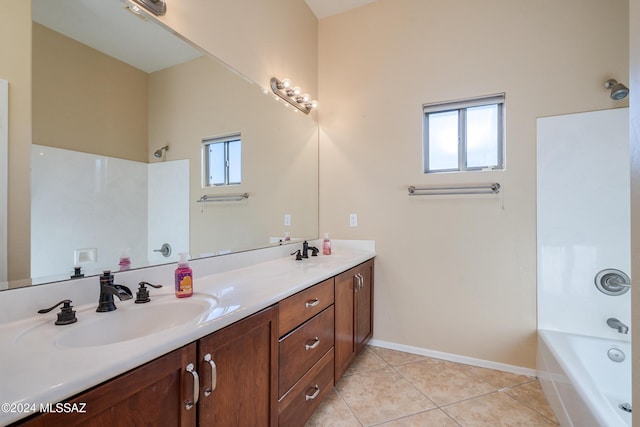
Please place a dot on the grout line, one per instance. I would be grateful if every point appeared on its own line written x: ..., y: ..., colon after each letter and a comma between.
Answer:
x: 523, y: 403
x: 442, y: 408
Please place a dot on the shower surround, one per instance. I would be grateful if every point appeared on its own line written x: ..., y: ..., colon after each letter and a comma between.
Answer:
x: 583, y: 220
x: 583, y: 228
x: 84, y: 201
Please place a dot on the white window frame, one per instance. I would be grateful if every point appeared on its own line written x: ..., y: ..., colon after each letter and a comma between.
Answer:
x: 226, y: 140
x: 461, y: 106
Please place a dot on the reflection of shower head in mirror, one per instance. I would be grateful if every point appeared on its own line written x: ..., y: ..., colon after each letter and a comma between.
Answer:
x: 159, y: 151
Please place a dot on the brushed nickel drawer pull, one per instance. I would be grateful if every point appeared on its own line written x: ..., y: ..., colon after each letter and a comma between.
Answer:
x: 196, y: 387
x: 314, y: 395
x: 314, y: 345
x: 214, y: 375
x: 312, y: 303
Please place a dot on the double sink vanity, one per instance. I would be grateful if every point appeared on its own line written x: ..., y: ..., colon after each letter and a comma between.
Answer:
x: 261, y: 342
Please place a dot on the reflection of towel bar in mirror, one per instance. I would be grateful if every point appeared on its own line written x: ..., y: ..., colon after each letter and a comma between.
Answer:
x: 451, y: 190
x: 222, y: 197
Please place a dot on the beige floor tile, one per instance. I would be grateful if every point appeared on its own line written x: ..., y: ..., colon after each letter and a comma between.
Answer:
x: 432, y: 418
x: 381, y: 395
x: 531, y: 395
x: 443, y: 382
x: 368, y: 360
x: 333, y: 412
x: 495, y: 410
x: 394, y: 357
x: 498, y: 379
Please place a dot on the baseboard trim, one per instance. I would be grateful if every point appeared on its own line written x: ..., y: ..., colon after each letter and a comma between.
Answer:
x: 519, y: 370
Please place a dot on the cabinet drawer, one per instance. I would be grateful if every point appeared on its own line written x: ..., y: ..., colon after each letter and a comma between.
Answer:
x: 304, y: 305
x: 303, y: 347
x: 304, y: 398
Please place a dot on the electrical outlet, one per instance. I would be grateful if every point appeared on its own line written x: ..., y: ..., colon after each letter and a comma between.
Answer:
x: 353, y: 220
x: 287, y: 220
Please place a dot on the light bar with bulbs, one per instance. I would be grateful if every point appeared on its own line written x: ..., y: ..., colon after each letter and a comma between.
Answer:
x: 293, y: 95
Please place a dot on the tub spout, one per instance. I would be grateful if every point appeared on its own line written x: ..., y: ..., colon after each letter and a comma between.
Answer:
x: 616, y: 324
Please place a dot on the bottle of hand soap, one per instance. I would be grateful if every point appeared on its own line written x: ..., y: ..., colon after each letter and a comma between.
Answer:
x: 125, y: 261
x: 184, y: 278
x: 326, y: 245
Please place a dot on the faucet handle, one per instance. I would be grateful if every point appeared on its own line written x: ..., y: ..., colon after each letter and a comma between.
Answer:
x: 142, y: 296
x: 298, y: 255
x: 66, y: 316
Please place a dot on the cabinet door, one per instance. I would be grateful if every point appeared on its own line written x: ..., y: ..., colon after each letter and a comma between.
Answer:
x: 364, y: 306
x: 153, y: 394
x: 241, y: 362
x: 345, y: 350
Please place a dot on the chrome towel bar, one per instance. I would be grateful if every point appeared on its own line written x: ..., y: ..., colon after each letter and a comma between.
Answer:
x: 493, y: 188
x: 222, y: 197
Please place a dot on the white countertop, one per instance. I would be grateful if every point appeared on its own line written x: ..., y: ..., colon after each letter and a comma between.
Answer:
x: 37, y: 371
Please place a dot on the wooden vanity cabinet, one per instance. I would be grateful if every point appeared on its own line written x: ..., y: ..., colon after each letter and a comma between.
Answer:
x: 271, y: 368
x: 158, y: 393
x: 153, y: 394
x: 305, y: 352
x: 354, y: 315
x: 238, y: 368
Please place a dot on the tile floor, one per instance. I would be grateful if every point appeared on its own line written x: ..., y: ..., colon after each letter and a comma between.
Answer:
x: 392, y: 389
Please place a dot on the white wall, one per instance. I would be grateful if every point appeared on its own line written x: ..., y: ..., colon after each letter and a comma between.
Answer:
x: 583, y: 219
x: 168, y: 209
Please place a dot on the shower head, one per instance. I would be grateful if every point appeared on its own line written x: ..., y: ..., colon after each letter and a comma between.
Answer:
x: 618, y: 90
x: 158, y: 152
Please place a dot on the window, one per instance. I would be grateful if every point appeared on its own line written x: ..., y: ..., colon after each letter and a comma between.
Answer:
x: 222, y: 160
x: 464, y: 135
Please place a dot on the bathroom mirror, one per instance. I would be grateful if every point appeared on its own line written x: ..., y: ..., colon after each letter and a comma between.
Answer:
x: 110, y: 88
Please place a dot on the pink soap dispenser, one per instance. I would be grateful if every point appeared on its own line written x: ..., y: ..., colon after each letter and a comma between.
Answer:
x: 184, y: 278
x: 326, y: 245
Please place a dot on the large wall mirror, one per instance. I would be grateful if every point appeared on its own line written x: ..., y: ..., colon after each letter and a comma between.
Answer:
x: 122, y: 111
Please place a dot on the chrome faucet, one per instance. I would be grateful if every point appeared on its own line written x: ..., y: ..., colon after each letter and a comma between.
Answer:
x: 107, y: 290
x: 616, y: 324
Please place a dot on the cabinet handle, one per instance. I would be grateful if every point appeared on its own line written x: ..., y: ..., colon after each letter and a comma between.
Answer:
x: 361, y: 280
x: 196, y: 387
x: 214, y: 375
x: 314, y: 395
x: 314, y: 345
x: 312, y: 303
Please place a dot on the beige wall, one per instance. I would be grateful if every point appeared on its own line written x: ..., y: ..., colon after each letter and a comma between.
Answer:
x: 456, y: 274
x: 202, y: 99
x: 87, y: 101
x: 634, y: 120
x: 15, y: 66
x: 261, y: 39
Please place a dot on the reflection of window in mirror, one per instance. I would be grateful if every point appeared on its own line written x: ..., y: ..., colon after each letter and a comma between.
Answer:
x: 222, y: 159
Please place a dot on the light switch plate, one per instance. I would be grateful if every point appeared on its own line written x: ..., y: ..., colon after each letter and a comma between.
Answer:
x: 353, y: 220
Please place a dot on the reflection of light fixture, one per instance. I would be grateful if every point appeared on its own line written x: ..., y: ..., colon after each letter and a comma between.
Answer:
x: 157, y: 7
x: 293, y: 95
x: 158, y: 152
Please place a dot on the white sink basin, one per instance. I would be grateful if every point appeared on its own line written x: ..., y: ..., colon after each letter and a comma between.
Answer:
x: 130, y: 321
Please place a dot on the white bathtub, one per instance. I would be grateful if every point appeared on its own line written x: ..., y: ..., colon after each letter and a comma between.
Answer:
x: 582, y: 384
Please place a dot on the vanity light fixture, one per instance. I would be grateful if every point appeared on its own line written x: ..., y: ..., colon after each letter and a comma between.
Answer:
x: 157, y: 7
x: 293, y: 95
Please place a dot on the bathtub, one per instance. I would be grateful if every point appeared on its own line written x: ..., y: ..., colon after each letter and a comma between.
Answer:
x: 583, y: 385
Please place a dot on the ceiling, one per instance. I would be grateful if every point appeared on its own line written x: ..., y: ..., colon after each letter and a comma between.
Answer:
x: 151, y: 47
x: 324, y: 8
x: 138, y: 42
